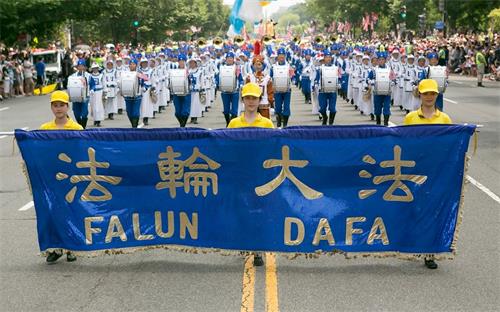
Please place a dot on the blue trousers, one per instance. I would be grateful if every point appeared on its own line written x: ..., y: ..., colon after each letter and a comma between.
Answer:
x: 382, y: 102
x: 182, y: 104
x: 439, y: 101
x: 282, y: 103
x: 327, y: 100
x: 133, y: 106
x: 305, y: 83
x: 81, y: 109
x: 230, y: 103
x: 344, y: 82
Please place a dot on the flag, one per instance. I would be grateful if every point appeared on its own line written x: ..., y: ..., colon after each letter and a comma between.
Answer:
x: 243, y: 10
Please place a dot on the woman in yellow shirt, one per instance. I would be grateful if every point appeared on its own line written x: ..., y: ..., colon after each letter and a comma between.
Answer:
x: 428, y: 112
x: 59, y: 103
x: 251, y: 94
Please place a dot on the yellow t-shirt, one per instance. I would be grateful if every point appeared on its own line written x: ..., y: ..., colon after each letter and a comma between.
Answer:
x: 259, y: 122
x: 418, y: 118
x: 70, y: 125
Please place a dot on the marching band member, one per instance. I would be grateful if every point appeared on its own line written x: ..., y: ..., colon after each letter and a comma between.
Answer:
x: 364, y: 95
x: 229, y: 82
x: 147, y: 106
x: 110, y: 88
x: 355, y: 77
x: 381, y: 98
x: 440, y: 74
x: 96, y: 95
x: 195, y: 78
x: 265, y: 82
x: 396, y: 68
x: 133, y: 97
x: 410, y: 78
x: 307, y: 73
x: 327, y: 81
x: 161, y: 74
x: 422, y: 70
x: 120, y: 101
x: 81, y: 109
x: 181, y: 99
x: 154, y: 93
x: 344, y: 65
x: 281, y: 73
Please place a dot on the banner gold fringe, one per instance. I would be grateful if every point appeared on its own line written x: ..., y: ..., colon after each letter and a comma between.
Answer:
x: 27, y: 176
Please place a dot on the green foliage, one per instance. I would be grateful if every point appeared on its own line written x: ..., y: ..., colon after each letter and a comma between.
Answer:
x: 494, y: 17
x: 112, y: 20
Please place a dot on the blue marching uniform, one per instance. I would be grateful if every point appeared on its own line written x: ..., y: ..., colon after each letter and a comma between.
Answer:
x: 327, y: 100
x: 306, y: 69
x: 230, y: 100
x: 133, y: 104
x: 81, y: 109
x: 381, y: 103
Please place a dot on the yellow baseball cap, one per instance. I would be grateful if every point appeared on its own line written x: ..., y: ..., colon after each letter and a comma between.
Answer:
x: 251, y: 89
x: 59, y: 96
x: 428, y: 85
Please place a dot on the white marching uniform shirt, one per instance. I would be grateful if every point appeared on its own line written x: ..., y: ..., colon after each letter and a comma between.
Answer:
x: 410, y: 82
x: 365, y: 105
x: 147, y: 106
x: 120, y: 100
x: 110, y: 86
x: 397, y: 69
x: 196, y: 78
x: 96, y: 103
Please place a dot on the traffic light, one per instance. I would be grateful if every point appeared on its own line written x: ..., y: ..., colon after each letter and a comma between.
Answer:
x: 421, y: 20
x: 135, y: 23
x: 402, y: 11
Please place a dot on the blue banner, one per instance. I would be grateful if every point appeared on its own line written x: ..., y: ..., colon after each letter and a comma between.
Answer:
x: 352, y: 189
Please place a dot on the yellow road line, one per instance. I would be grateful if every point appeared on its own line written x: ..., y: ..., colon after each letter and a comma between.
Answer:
x: 248, y: 290
x: 271, y: 283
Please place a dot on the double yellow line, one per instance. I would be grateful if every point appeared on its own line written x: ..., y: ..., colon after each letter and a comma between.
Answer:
x: 248, y: 290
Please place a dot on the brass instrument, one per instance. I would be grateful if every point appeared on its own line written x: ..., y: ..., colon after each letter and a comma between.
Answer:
x: 267, y: 39
x: 319, y: 39
x: 239, y: 40
x: 202, y: 43
x: 332, y: 38
x: 296, y: 39
x: 218, y: 42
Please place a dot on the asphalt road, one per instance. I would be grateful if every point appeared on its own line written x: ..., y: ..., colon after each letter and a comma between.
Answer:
x: 172, y: 281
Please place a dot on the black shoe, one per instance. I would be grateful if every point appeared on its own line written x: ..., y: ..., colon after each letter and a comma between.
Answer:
x: 120, y: 111
x: 407, y: 111
x: 53, y: 256
x: 355, y: 107
x: 110, y: 116
x: 97, y: 123
x: 285, y: 121
x: 430, y: 264
x: 84, y: 122
x: 386, y: 120
x: 331, y: 118
x: 278, y: 120
x: 372, y: 117
x: 70, y: 257
x: 378, y: 119
x: 400, y: 107
x: 257, y: 260
x: 145, y: 121
x: 324, y: 119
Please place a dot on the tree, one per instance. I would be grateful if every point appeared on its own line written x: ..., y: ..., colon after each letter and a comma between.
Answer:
x: 494, y: 17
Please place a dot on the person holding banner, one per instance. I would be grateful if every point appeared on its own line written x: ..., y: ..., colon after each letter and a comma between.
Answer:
x: 251, y: 95
x: 59, y: 104
x: 428, y: 113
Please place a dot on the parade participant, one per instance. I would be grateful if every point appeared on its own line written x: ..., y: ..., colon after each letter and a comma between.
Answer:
x: 327, y: 81
x: 438, y: 73
x: 110, y: 82
x: 131, y: 86
x: 96, y: 84
x: 251, y: 95
x: 265, y: 82
x: 410, y: 78
x: 281, y: 73
x: 180, y: 89
x: 195, y: 78
x: 230, y: 80
x: 364, y: 95
x: 40, y: 75
x: 307, y: 74
x: 355, y: 77
x: 396, y: 69
x: 208, y: 87
x: 120, y: 101
x: 481, y: 65
x: 80, y: 109
x: 379, y: 78
x: 59, y: 104
x: 428, y: 113
x: 422, y: 70
x: 147, y: 106
x: 344, y: 65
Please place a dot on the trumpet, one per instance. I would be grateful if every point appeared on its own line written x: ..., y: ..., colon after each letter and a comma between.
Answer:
x: 296, y: 40
x: 267, y: 39
x: 239, y: 40
x: 332, y: 39
x: 218, y: 42
x: 319, y: 39
x: 202, y: 43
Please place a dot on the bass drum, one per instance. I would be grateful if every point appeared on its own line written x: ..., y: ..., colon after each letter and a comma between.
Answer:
x: 439, y: 74
x: 227, y: 78
x: 329, y: 79
x: 179, y: 84
x: 382, y: 81
x: 281, y: 78
x: 129, y: 85
x: 77, y: 89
